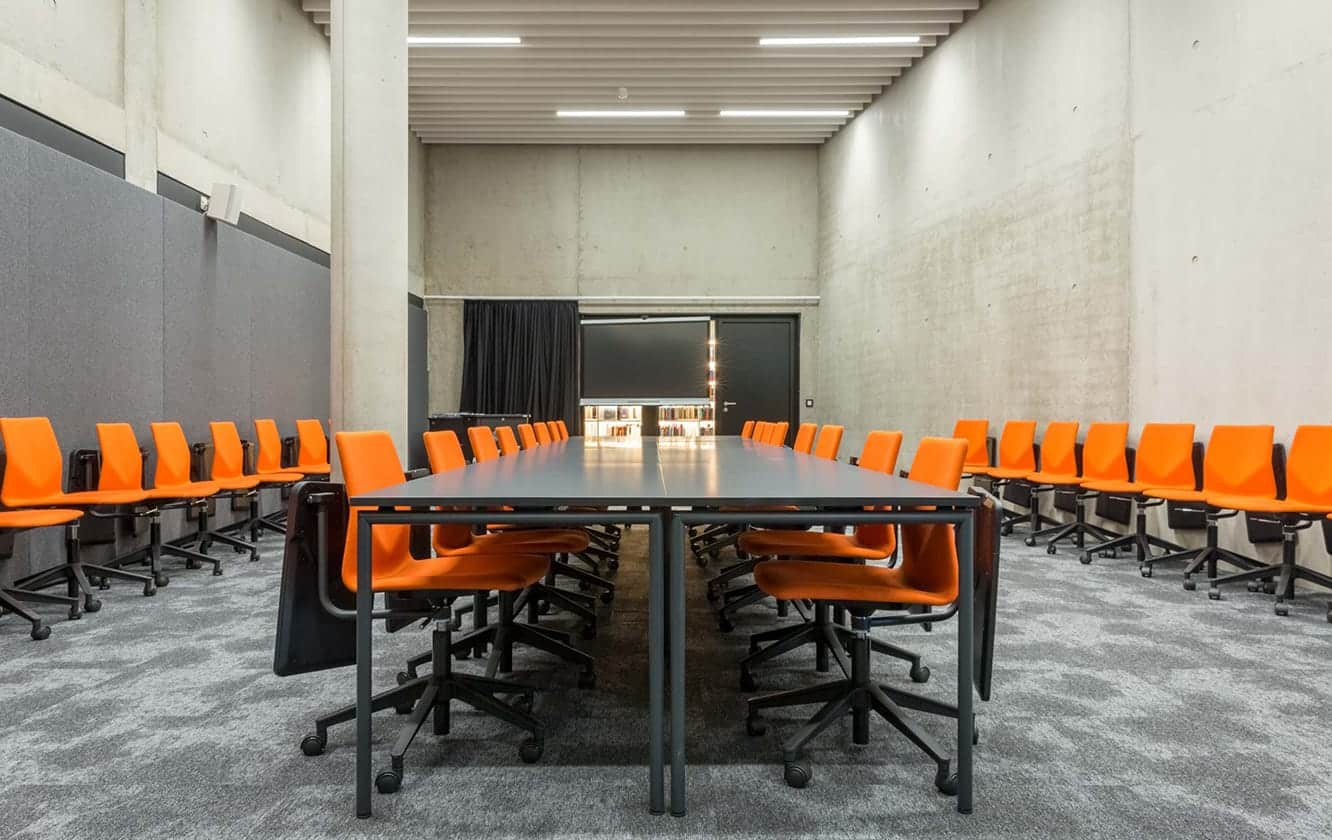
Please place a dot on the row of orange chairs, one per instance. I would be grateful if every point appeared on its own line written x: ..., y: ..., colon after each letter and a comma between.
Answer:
x: 1242, y: 469
x: 33, y: 496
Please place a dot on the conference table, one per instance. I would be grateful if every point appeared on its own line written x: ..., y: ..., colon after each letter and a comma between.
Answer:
x: 667, y: 485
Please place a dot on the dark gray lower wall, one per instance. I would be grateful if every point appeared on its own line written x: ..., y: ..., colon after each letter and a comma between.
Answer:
x: 117, y: 305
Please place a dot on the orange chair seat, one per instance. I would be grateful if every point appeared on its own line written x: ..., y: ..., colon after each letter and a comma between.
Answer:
x: 805, y: 580
x: 16, y: 519
x: 1174, y: 494
x: 545, y: 541
x: 90, y: 498
x: 240, y: 482
x: 313, y: 469
x: 193, y: 490
x: 1057, y: 479
x: 281, y: 477
x: 463, y: 573
x: 806, y: 544
x: 1259, y: 504
x: 1001, y: 472
x: 1122, y: 488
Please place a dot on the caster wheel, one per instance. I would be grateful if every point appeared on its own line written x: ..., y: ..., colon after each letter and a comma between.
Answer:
x: 1030, y: 542
x: 1281, y: 610
x: 1214, y: 594
x: 747, y: 682
x: 797, y: 775
x: 1190, y: 585
x: 589, y: 632
x: 1006, y: 531
x: 544, y: 608
x: 235, y: 549
x: 254, y: 557
x: 1051, y: 549
x: 101, y: 583
x: 608, y: 596
x: 701, y: 560
x: 531, y: 749
x: 193, y: 564
x: 1145, y: 571
x: 403, y: 678
x: 149, y: 589
x: 613, y: 564
x: 523, y: 704
x: 75, y: 614
x: 754, y: 727
x: 313, y: 745
x: 92, y: 605
x: 1085, y: 558
x: 388, y: 781
x: 1269, y: 588
x: 462, y: 653
x: 161, y: 579
x: 217, y: 571
x: 584, y: 586
x: 945, y: 781
x: 920, y: 673
x: 753, y: 646
x: 713, y: 594
x: 40, y: 632
x: 587, y: 680
x: 1253, y: 586
x: 724, y: 624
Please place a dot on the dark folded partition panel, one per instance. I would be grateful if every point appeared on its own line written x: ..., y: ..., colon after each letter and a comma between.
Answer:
x: 116, y: 304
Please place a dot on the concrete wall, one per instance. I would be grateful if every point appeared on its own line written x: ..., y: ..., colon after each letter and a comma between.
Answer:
x: 234, y: 92
x: 1088, y: 209
x: 571, y: 221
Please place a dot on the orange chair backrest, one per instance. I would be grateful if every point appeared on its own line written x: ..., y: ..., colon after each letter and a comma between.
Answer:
x: 527, y: 436
x: 880, y: 451
x: 761, y: 431
x: 830, y: 442
x: 542, y: 432
x: 34, y: 467
x: 929, y: 552
x: 312, y: 445
x: 777, y: 434
x: 1105, y: 452
x: 974, y: 432
x: 266, y: 435
x: 483, y: 444
x: 1017, y: 445
x: 508, y: 441
x: 1239, y: 461
x: 747, y: 431
x: 1165, y: 456
x: 563, y: 429
x: 1059, y: 449
x: 1309, y: 467
x: 228, y: 453
x: 804, y: 439
x: 121, y: 461
x: 446, y: 453
x: 370, y: 462
x: 173, y: 455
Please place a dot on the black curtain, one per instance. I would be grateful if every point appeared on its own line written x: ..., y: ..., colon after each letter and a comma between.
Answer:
x: 521, y: 357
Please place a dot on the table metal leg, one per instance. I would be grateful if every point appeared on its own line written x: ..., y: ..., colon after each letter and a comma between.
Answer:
x: 677, y: 626
x: 965, y: 659
x: 656, y: 668
x: 365, y: 598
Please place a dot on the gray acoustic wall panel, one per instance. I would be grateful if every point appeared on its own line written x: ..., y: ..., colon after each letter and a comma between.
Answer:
x: 289, y: 319
x: 15, y: 188
x: 95, y: 268
x: 208, y: 290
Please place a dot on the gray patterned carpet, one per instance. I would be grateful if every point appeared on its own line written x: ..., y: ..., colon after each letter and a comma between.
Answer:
x: 1123, y: 708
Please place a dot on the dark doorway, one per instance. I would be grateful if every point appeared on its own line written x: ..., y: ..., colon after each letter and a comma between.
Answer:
x: 757, y: 377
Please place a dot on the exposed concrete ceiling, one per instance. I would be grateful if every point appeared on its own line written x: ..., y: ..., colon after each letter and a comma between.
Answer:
x: 701, y: 56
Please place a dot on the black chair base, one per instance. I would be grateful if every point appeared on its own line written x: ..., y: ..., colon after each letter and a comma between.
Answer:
x: 1204, y: 558
x: 9, y: 603
x: 1076, y: 531
x: 1286, y: 573
x: 1139, y: 540
x: 79, y: 576
x: 153, y: 553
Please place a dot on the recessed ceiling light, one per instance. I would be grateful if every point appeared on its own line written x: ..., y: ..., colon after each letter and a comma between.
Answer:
x: 463, y: 40
x: 620, y: 112
x: 784, y: 113
x: 837, y: 41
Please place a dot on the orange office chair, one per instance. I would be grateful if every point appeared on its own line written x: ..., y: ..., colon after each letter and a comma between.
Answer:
x: 1164, y: 459
x: 527, y: 436
x: 830, y: 441
x: 1058, y: 463
x: 121, y: 469
x: 508, y: 441
x: 370, y: 462
x: 747, y: 431
x: 804, y: 439
x: 761, y: 431
x: 542, y: 433
x: 560, y: 429
x: 173, y: 475
x: 34, y: 469
x: 1016, y: 458
x: 777, y: 433
x: 482, y: 441
x: 1237, y: 465
x: 926, y: 576
x: 18, y: 521
x: 229, y: 474
x: 977, y: 435
x: 1308, y: 499
x: 1104, y: 458
x: 312, y: 449
x: 268, y: 464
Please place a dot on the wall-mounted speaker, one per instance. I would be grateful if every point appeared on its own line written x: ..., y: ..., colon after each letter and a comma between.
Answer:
x: 224, y: 204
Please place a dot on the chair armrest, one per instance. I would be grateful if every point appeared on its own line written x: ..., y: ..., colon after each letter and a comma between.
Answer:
x: 421, y: 472
x: 853, y: 461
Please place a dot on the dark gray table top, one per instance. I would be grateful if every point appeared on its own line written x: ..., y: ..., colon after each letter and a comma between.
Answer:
x: 662, y: 472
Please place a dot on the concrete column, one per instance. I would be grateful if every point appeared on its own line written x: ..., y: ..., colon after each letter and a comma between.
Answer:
x: 140, y: 78
x: 370, y: 195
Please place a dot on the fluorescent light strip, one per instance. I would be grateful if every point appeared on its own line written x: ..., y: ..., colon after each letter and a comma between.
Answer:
x: 850, y: 41
x: 463, y: 40
x: 620, y: 113
x: 792, y: 114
